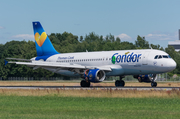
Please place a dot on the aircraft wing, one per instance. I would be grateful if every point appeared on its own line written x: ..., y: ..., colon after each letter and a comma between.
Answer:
x: 65, y: 66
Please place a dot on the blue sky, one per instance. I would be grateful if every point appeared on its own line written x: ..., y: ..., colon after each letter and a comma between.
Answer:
x: 157, y: 20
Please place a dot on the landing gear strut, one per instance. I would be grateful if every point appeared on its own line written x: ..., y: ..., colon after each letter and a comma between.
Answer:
x: 85, y: 83
x: 120, y: 82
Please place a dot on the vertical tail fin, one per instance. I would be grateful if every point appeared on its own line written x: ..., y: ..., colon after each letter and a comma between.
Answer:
x: 44, y: 46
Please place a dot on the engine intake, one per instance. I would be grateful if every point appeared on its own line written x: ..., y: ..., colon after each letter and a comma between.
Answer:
x: 94, y: 75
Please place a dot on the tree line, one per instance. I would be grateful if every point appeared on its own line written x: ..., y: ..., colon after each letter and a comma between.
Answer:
x: 67, y: 42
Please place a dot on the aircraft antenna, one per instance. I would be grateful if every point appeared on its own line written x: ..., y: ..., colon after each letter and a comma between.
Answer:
x: 150, y: 46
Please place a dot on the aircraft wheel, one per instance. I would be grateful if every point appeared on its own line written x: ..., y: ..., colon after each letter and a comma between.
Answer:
x: 119, y: 83
x: 153, y: 84
x: 88, y: 84
x: 85, y: 84
x: 139, y: 79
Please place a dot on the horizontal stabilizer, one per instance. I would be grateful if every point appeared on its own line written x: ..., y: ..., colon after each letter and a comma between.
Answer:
x: 17, y: 59
x: 5, y: 62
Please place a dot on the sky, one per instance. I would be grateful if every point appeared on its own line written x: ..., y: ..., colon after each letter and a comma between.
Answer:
x: 156, y: 20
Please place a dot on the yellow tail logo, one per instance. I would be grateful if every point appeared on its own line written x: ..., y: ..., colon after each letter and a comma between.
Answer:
x: 40, y: 38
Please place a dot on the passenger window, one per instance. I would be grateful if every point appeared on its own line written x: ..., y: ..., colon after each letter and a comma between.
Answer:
x: 156, y: 57
x: 160, y: 57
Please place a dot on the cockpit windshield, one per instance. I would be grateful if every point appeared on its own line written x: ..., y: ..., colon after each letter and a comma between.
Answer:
x: 156, y: 57
x: 161, y: 56
x: 165, y: 56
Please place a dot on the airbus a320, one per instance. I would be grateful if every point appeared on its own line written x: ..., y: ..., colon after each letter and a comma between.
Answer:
x: 96, y: 66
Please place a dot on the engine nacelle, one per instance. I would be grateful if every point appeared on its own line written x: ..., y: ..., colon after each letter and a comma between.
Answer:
x: 145, y: 78
x: 95, y: 75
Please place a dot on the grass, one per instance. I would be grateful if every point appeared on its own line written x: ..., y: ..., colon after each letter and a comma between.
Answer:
x: 109, y: 93
x: 88, y: 104
x: 92, y: 108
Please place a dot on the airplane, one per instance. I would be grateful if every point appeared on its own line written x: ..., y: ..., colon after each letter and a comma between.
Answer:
x: 94, y: 67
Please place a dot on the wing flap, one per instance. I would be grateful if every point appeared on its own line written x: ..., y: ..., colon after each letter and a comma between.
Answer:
x: 54, y: 65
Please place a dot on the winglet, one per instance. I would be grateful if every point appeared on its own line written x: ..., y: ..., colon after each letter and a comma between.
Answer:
x: 5, y: 62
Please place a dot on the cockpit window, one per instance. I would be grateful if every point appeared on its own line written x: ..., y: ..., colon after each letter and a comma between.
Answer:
x: 159, y: 57
x: 169, y: 56
x: 165, y: 56
x: 162, y: 56
x: 156, y: 57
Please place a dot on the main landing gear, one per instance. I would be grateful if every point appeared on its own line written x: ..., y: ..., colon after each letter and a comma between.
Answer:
x: 85, y: 83
x: 120, y: 82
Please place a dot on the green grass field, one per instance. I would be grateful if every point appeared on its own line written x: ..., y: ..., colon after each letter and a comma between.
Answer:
x: 46, y: 107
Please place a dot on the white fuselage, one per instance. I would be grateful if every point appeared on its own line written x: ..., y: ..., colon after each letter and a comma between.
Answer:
x: 121, y: 62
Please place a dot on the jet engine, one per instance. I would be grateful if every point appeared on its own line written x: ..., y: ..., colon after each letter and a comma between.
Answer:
x: 146, y: 78
x: 94, y: 75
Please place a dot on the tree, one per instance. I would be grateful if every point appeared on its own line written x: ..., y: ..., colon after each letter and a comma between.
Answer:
x: 118, y: 39
x: 81, y: 38
x: 141, y: 43
x: 171, y: 51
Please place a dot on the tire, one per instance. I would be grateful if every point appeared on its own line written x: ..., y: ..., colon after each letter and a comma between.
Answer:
x: 88, y: 84
x: 119, y: 83
x: 85, y: 84
x: 122, y: 83
x: 153, y: 84
x: 139, y: 79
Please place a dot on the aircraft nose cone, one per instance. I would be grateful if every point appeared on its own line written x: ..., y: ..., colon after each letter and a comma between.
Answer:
x: 172, y: 65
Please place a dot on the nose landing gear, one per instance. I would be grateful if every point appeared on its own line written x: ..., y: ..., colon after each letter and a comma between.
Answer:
x: 153, y: 84
x: 153, y: 78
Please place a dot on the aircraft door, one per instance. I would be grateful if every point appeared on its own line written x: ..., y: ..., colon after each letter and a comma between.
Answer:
x: 145, y: 58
